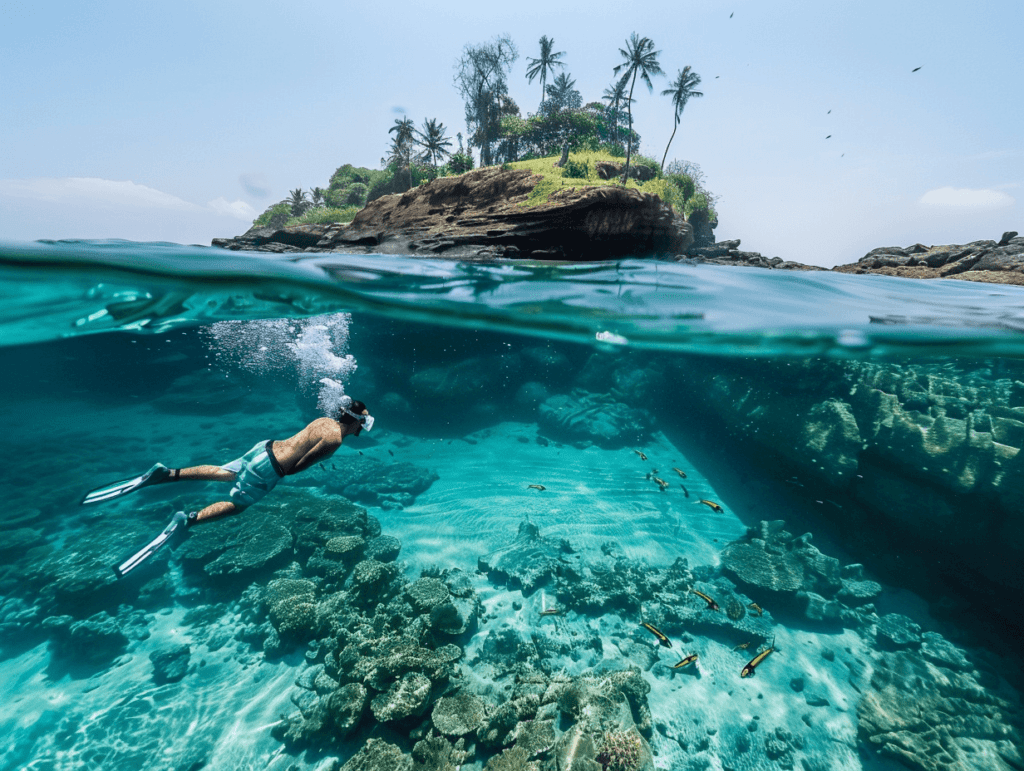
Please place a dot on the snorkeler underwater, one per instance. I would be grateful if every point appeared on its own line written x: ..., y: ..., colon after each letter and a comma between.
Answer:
x: 405, y: 388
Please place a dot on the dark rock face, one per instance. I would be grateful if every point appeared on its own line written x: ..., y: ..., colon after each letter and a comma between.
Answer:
x: 993, y: 262
x: 480, y: 214
x: 707, y: 252
x: 928, y: 452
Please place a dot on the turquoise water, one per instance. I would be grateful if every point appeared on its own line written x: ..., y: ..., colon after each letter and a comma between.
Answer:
x: 387, y: 608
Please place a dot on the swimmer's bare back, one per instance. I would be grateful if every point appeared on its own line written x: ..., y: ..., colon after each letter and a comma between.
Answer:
x: 315, y: 443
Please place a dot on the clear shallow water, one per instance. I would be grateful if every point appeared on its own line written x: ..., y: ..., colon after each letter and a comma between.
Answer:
x: 464, y: 367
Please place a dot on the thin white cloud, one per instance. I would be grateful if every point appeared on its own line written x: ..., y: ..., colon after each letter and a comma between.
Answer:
x: 100, y: 193
x: 966, y: 198
x: 237, y: 209
x: 106, y: 192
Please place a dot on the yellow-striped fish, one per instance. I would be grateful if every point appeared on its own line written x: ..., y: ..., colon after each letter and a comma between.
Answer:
x: 662, y: 639
x: 712, y: 605
x: 748, y: 670
x: 686, y: 661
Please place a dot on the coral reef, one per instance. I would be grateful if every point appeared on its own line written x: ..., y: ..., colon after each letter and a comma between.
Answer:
x: 589, y: 418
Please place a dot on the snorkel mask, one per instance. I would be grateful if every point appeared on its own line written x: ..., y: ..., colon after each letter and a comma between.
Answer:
x: 366, y: 421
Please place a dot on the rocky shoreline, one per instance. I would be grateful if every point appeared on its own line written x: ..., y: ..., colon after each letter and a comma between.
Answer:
x: 485, y: 215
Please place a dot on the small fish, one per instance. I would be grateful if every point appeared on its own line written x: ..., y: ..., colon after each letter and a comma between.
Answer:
x: 680, y: 472
x: 360, y: 452
x: 742, y: 646
x: 692, y: 658
x: 712, y: 505
x: 536, y: 487
x: 657, y: 633
x: 391, y: 453
x: 748, y: 670
x: 915, y: 69
x: 642, y: 456
x: 661, y: 482
x: 755, y: 607
x: 712, y: 605
x: 552, y: 612
x: 685, y: 491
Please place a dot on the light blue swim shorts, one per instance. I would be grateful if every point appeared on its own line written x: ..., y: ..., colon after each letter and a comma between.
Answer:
x: 256, y: 474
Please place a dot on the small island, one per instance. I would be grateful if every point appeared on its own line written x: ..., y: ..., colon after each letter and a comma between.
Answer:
x: 564, y: 183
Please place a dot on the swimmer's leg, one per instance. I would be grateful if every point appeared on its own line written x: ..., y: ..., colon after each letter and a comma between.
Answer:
x: 213, y: 511
x: 205, y: 474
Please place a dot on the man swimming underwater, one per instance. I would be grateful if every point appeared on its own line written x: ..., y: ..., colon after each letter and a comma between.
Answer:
x: 254, y: 474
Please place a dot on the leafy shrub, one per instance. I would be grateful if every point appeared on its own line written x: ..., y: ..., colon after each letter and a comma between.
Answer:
x: 276, y: 216
x: 355, y: 194
x: 576, y: 168
x: 460, y: 163
x: 325, y: 216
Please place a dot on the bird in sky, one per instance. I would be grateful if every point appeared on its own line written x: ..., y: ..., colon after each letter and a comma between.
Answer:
x: 829, y: 112
x: 730, y: 15
x: 829, y: 136
x: 915, y: 69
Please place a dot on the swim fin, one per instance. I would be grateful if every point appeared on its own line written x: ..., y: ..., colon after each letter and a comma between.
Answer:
x: 178, y: 525
x: 159, y: 473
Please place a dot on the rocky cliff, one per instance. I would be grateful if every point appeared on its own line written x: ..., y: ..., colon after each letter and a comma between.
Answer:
x: 487, y: 213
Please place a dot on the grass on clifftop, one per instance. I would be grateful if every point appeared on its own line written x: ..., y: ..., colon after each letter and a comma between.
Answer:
x: 583, y: 170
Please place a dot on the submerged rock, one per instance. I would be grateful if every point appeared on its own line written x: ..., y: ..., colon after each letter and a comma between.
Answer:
x: 594, y: 418
x: 529, y: 562
x: 378, y: 755
x: 769, y: 558
x: 932, y: 718
x: 407, y: 696
x: 170, y: 665
x: 458, y: 715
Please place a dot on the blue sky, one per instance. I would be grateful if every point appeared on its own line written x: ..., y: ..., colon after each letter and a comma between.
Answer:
x: 181, y: 121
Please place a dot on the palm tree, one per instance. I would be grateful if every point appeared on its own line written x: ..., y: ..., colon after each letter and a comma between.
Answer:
x: 404, y: 130
x: 298, y: 201
x: 681, y: 90
x: 638, y: 58
x: 615, y: 95
x: 433, y: 141
x: 316, y: 195
x: 563, y: 94
x: 545, y: 65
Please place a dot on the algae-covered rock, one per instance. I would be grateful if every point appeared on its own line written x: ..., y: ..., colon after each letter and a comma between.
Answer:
x: 383, y: 548
x: 458, y: 715
x: 770, y: 558
x: 515, y: 759
x: 535, y: 736
x: 346, y: 707
x: 407, y: 696
x: 373, y: 581
x: 261, y: 545
x: 427, y: 593
x: 378, y: 755
x: 436, y: 753
x: 291, y: 606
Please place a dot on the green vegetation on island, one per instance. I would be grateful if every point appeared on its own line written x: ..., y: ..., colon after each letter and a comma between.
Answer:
x: 567, y: 142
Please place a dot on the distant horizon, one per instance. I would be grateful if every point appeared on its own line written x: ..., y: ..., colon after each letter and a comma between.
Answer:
x: 815, y: 131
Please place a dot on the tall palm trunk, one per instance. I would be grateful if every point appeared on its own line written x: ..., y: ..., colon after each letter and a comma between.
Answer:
x: 629, y: 139
x: 669, y: 145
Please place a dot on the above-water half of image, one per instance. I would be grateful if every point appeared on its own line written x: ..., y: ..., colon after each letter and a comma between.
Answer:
x: 373, y: 512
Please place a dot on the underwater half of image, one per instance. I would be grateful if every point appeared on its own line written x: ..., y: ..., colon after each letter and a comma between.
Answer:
x: 595, y: 523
